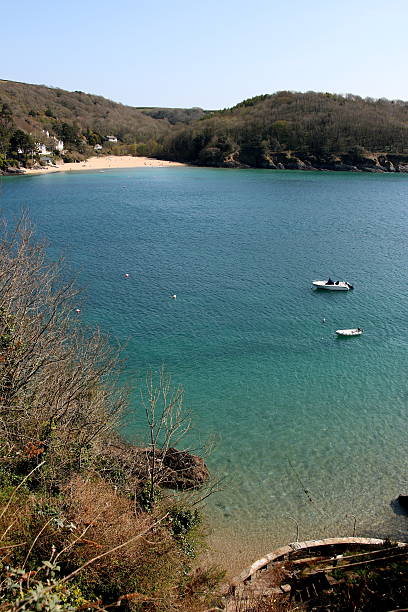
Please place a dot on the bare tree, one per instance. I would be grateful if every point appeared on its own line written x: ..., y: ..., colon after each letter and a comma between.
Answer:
x: 59, y: 407
x: 168, y: 423
x: 57, y: 397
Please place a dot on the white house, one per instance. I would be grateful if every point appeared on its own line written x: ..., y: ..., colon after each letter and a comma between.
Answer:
x: 56, y: 144
x: 41, y: 148
x: 97, y: 147
x: 111, y: 139
x: 59, y: 145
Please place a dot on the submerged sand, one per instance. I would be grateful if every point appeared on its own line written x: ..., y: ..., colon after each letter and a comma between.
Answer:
x: 105, y: 163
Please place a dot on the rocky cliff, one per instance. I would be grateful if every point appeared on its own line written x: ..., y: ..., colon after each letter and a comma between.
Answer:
x: 382, y: 162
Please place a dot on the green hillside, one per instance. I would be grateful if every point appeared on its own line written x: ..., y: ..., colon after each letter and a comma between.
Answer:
x: 175, y: 115
x: 282, y: 130
x: 81, y: 121
x: 292, y: 129
x: 36, y: 107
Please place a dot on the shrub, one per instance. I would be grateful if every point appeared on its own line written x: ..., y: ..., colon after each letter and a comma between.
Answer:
x: 73, y: 528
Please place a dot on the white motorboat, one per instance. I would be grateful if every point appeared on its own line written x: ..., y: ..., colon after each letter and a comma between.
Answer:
x: 332, y: 285
x: 357, y: 331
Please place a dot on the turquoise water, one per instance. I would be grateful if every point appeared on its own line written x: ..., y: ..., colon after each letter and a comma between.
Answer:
x: 290, y: 406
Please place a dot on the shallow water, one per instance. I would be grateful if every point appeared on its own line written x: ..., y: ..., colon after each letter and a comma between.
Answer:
x: 292, y: 408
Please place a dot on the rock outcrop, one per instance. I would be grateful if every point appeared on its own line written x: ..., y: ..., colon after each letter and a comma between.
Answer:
x: 12, y: 171
x: 174, y: 468
x: 292, y: 160
x: 183, y: 470
x: 403, y: 501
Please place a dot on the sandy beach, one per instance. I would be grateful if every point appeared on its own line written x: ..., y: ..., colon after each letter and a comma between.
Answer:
x: 105, y: 163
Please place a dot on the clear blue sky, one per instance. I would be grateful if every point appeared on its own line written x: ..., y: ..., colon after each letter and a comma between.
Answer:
x: 212, y: 54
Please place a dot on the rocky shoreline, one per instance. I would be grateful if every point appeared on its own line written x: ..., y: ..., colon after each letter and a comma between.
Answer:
x: 380, y: 163
x: 11, y: 171
x: 174, y: 468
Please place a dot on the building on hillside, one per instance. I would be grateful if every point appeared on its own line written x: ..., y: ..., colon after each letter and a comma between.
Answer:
x: 42, y: 149
x: 59, y: 145
x: 46, y: 160
x: 111, y: 139
x: 97, y: 147
x: 55, y: 144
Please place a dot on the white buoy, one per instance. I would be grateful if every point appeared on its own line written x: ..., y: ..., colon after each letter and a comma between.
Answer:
x: 324, y: 320
x: 77, y: 310
x: 174, y: 297
x: 127, y: 275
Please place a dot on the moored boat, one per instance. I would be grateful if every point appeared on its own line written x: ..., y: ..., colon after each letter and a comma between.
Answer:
x: 332, y: 285
x: 356, y: 331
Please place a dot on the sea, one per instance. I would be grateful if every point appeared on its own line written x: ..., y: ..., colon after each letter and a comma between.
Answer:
x: 305, y: 433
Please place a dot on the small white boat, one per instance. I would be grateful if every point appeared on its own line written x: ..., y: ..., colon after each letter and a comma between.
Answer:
x: 332, y: 285
x: 357, y: 331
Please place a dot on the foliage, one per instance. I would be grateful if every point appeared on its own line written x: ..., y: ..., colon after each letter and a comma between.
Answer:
x: 107, y: 551
x: 148, y: 496
x: 74, y: 116
x: 312, y: 124
x: 168, y: 423
x: 39, y: 589
x: 183, y: 526
x: 73, y: 532
x: 381, y: 589
x: 69, y: 133
x: 55, y: 404
x: 6, y: 127
x: 183, y: 521
x: 21, y: 145
x: 251, y: 101
x: 92, y: 137
x: 175, y: 115
x: 315, y: 127
x: 3, y: 162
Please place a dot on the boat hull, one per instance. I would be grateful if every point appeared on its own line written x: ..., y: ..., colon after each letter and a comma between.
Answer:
x: 341, y: 286
x: 349, y: 332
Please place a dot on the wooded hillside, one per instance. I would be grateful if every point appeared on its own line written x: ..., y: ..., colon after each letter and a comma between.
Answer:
x: 282, y: 130
x: 315, y: 128
x: 36, y: 108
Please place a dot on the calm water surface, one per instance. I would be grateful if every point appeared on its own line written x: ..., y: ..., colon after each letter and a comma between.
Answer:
x: 290, y: 406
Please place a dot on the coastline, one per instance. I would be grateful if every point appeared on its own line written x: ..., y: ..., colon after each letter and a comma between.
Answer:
x: 110, y: 162
x: 253, y: 540
x: 105, y: 163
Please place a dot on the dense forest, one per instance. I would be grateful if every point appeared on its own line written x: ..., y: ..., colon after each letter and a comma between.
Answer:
x: 282, y: 130
x: 31, y: 114
x: 298, y: 130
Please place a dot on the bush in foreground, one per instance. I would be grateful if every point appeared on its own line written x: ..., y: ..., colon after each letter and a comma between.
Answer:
x: 72, y: 536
